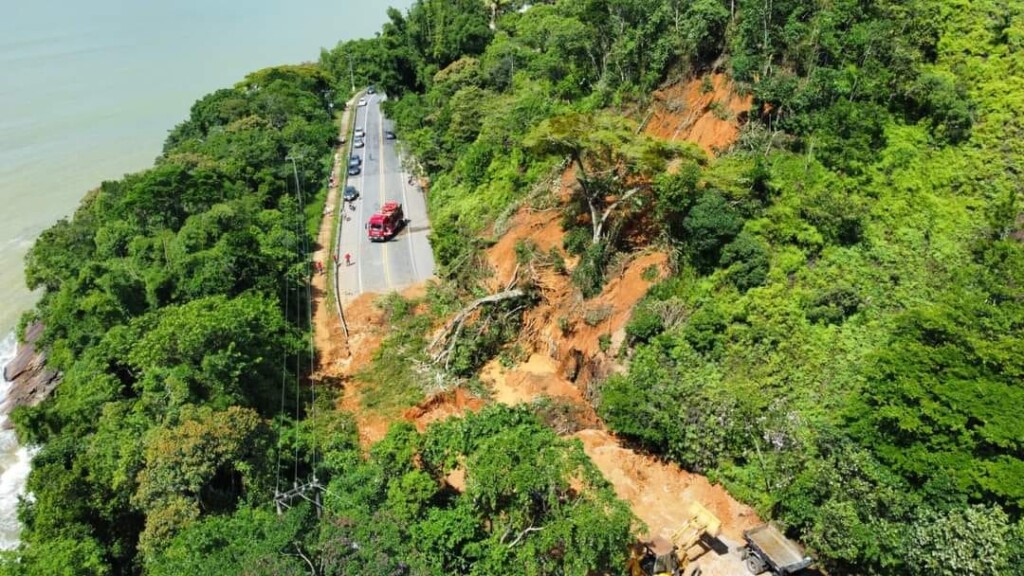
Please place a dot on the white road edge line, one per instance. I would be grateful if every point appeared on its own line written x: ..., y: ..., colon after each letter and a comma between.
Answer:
x: 359, y: 212
x: 408, y: 232
x: 383, y: 193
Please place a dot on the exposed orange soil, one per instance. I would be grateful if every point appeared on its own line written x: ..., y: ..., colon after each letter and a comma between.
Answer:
x: 686, y: 111
x: 563, y: 334
x: 561, y: 366
x: 526, y: 382
x: 331, y: 345
x: 621, y: 293
x: 366, y: 331
x: 457, y: 479
x: 562, y: 308
x: 441, y: 406
x: 542, y: 228
x: 660, y: 493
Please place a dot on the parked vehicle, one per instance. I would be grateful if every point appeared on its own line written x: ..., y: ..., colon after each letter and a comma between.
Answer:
x: 354, y: 170
x: 389, y: 135
x: 362, y: 101
x: 371, y: 90
x: 350, y: 193
x: 355, y: 160
x: 358, y: 143
x: 360, y: 133
x: 385, y: 224
x: 768, y: 549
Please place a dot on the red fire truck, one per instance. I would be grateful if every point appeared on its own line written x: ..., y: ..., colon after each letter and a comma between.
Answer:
x: 384, y: 224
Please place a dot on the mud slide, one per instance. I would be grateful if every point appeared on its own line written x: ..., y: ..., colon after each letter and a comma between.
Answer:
x: 570, y: 343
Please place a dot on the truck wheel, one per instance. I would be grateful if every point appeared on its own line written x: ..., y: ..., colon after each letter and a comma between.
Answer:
x: 755, y: 564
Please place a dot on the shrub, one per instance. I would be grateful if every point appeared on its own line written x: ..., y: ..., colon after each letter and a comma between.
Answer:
x: 644, y: 325
x: 711, y: 224
x: 596, y: 315
x: 526, y: 250
x: 747, y: 259
x: 650, y: 273
x: 577, y: 240
x: 837, y: 217
x: 557, y: 261
x: 564, y: 325
x: 588, y: 275
x: 705, y: 330
x: 834, y: 305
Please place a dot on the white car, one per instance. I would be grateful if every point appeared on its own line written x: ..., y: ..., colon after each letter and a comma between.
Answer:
x: 360, y: 133
x: 362, y: 101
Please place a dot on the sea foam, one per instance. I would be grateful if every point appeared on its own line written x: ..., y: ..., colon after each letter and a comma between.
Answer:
x: 15, y: 461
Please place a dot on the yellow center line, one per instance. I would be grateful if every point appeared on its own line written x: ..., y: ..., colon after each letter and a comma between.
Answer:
x: 383, y: 197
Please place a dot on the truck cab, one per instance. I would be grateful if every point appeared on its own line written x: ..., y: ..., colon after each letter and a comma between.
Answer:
x: 383, y: 225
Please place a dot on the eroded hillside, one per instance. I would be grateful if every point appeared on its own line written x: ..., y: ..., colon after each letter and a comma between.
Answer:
x: 566, y: 343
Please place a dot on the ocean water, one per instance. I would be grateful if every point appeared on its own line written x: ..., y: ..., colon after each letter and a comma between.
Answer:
x: 15, y: 463
x: 88, y: 91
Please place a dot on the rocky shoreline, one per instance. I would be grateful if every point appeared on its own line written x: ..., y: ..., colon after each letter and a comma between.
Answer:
x: 31, y: 381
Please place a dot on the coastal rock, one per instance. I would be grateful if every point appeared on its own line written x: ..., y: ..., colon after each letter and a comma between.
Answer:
x: 31, y: 381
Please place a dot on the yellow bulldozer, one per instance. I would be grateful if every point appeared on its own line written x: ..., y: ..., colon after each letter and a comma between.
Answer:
x: 670, y: 556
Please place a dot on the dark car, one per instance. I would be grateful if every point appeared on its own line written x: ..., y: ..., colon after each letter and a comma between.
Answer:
x: 350, y: 193
x: 354, y: 170
x: 358, y: 143
x: 371, y: 90
x: 355, y: 160
x: 389, y: 135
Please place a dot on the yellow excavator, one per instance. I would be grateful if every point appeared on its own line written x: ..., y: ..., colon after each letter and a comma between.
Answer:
x: 670, y: 556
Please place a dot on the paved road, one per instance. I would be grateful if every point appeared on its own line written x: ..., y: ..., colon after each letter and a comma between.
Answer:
x: 406, y: 259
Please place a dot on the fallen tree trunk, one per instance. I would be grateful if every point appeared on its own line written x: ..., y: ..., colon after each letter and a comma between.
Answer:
x: 450, y: 334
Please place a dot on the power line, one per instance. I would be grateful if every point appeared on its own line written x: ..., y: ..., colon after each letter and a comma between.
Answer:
x: 284, y: 382
x: 299, y: 490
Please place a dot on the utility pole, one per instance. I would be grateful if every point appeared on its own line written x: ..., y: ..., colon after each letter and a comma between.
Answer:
x: 295, y: 171
x: 351, y: 75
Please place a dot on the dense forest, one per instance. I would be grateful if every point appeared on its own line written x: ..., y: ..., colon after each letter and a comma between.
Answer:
x: 840, y: 342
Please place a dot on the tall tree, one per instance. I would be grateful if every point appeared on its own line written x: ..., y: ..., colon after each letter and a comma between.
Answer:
x: 612, y: 162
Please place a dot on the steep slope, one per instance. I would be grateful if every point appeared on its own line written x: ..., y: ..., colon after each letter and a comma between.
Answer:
x: 567, y: 344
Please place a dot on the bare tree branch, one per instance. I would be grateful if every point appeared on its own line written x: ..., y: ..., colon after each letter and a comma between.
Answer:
x: 523, y: 534
x: 451, y: 331
x: 312, y: 568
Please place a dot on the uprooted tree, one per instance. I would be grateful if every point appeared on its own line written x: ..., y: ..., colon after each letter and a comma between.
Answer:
x: 442, y: 348
x: 613, y: 162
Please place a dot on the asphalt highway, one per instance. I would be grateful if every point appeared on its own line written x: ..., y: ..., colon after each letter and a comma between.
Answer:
x: 406, y: 259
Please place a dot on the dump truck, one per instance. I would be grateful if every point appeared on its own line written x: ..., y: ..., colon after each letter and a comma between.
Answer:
x: 768, y: 549
x: 383, y: 225
x: 670, y: 556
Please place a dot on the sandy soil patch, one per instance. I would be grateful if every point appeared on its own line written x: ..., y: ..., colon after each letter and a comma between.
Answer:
x: 660, y: 493
x: 707, y: 111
